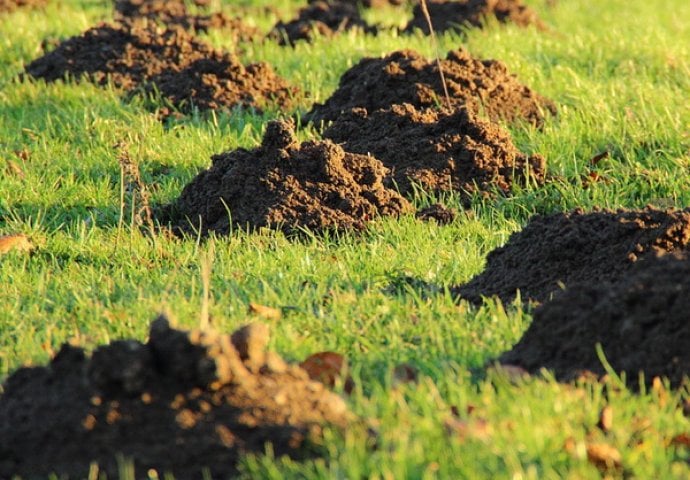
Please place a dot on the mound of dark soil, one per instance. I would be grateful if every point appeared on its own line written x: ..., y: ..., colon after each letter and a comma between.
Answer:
x: 450, y: 14
x: 7, y: 6
x: 185, y: 70
x: 285, y: 185
x: 176, y: 13
x: 641, y: 322
x: 366, y: 3
x: 181, y: 402
x: 438, y: 213
x: 577, y: 247
x: 320, y: 18
x: 407, y: 77
x: 440, y: 151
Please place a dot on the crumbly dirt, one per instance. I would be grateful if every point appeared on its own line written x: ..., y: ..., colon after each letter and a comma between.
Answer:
x: 641, y: 322
x: 176, y: 13
x: 366, y: 3
x: 438, y: 213
x: 452, y: 15
x: 439, y: 151
x: 7, y: 6
x: 576, y: 247
x: 186, y: 71
x: 407, y: 77
x: 178, y: 403
x: 286, y: 185
x: 320, y: 19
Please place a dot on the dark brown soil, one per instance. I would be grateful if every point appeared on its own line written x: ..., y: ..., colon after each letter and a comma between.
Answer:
x: 181, y: 402
x: 366, y: 3
x: 438, y: 213
x: 176, y: 13
x: 320, y: 18
x: 641, y: 322
x: 407, y: 77
x: 450, y: 14
x: 440, y: 151
x: 7, y: 6
x: 577, y: 247
x: 186, y: 71
x: 288, y: 186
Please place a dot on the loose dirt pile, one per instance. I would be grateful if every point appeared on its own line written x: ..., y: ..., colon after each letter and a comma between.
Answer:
x: 288, y: 186
x: 184, y: 70
x: 181, y: 402
x: 437, y: 150
x: 7, y: 6
x: 577, y: 247
x: 641, y: 322
x: 366, y: 3
x: 407, y: 77
x: 320, y: 18
x: 453, y: 15
x: 176, y: 13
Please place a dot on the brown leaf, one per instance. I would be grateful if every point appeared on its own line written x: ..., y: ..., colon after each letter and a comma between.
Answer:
x: 605, y: 418
x: 327, y: 367
x: 263, y: 311
x: 18, y: 242
x: 604, y: 456
x: 474, y: 429
x: 598, y: 157
x: 681, y: 440
x: 15, y: 170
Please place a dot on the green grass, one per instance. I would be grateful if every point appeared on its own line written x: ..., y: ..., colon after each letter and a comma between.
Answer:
x: 620, y: 73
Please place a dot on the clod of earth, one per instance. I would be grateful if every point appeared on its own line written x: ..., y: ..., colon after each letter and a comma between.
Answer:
x: 640, y: 320
x: 568, y: 248
x: 320, y: 18
x: 438, y: 213
x: 287, y: 185
x: 176, y: 13
x: 182, y: 402
x: 7, y: 6
x: 438, y: 150
x: 455, y: 15
x: 483, y: 86
x: 184, y: 70
x: 365, y: 3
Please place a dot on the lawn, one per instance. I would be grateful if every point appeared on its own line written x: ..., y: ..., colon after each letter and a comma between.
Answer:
x: 619, y: 72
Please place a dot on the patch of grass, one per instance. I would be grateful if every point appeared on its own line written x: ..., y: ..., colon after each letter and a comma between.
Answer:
x: 619, y: 71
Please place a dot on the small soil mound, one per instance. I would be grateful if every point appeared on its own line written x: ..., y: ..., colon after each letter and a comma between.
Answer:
x: 285, y: 185
x: 440, y: 151
x: 407, y: 77
x: 179, y: 403
x: 366, y: 3
x: 320, y: 18
x: 454, y: 15
x: 438, y: 213
x: 186, y: 71
x: 176, y: 13
x: 569, y: 248
x: 7, y: 6
x: 641, y: 322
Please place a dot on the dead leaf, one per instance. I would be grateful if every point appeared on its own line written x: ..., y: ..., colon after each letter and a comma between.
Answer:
x: 263, y: 311
x: 474, y: 429
x: 18, y: 242
x: 605, y: 418
x: 681, y: 440
x: 327, y: 367
x: 604, y: 456
x: 14, y: 169
x: 598, y: 157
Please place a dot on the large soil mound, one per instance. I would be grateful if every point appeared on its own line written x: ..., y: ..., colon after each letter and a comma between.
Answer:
x: 570, y: 248
x: 320, y: 18
x: 407, y: 77
x: 440, y: 151
x: 181, y: 402
x: 186, y: 71
x: 641, y: 322
x: 285, y: 185
x: 451, y: 15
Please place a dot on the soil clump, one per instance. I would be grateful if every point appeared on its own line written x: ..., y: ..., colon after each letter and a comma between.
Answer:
x: 483, y: 86
x: 176, y: 13
x: 182, y: 401
x: 8, y: 6
x: 289, y: 186
x: 184, y: 70
x: 320, y: 18
x: 576, y: 247
x: 454, y: 15
x: 440, y: 151
x: 438, y: 213
x: 366, y: 3
x: 641, y: 322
